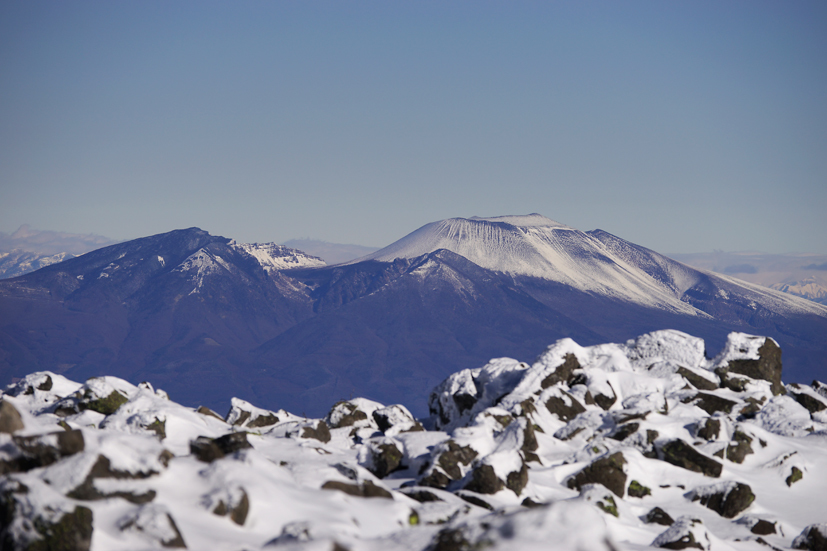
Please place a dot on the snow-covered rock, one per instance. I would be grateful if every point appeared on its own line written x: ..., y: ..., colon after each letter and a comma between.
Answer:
x: 596, y: 447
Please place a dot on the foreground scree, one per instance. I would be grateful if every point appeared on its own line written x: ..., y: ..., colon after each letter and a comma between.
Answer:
x: 607, y: 447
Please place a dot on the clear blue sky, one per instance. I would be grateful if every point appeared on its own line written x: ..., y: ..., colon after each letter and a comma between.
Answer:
x: 682, y: 126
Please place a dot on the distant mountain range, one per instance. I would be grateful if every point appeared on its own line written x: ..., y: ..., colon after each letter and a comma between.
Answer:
x: 804, y: 275
x: 27, y: 249
x: 207, y: 318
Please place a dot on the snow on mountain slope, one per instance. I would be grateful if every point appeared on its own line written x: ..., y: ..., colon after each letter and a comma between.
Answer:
x: 595, y: 262
x: 274, y: 257
x: 18, y: 262
x: 613, y: 447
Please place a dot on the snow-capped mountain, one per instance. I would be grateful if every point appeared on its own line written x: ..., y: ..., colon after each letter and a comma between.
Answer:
x: 18, y: 262
x: 207, y: 318
x: 612, y: 447
x: 593, y: 262
x: 809, y: 288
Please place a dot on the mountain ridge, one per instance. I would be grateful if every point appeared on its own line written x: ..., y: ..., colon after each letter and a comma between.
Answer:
x: 204, y: 317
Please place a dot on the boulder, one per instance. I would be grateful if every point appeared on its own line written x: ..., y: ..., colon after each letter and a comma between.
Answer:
x: 209, y: 449
x: 564, y: 405
x: 204, y: 410
x: 658, y: 516
x: 767, y: 367
x: 32, y: 452
x: 681, y: 454
x: 795, y: 476
x: 395, y: 419
x: 452, y: 455
x: 739, y: 448
x: 636, y: 489
x: 365, y: 489
x: 237, y: 508
x: 813, y: 537
x: 684, y: 533
x: 385, y: 459
x: 698, y: 381
x: 562, y: 373
x: 728, y: 499
x: 317, y: 430
x: 484, y: 480
x: 344, y: 414
x: 10, y: 420
x: 712, y: 403
x: 709, y: 429
x: 608, y: 471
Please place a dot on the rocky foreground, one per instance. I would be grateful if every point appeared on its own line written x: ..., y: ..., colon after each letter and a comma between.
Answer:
x: 608, y: 447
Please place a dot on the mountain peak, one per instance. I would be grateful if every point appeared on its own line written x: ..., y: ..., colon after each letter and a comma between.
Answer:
x: 523, y: 220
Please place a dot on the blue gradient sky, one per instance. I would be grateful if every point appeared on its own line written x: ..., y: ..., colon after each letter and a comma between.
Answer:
x: 681, y: 126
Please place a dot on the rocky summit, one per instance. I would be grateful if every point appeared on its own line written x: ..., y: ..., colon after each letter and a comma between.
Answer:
x: 605, y: 447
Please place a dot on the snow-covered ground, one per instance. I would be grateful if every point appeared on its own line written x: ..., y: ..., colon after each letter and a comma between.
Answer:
x: 614, y: 446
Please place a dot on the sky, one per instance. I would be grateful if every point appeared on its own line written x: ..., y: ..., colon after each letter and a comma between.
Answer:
x: 683, y: 126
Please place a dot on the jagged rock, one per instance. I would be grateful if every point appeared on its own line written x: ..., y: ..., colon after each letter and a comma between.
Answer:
x: 624, y: 431
x: 565, y: 406
x: 450, y: 539
x: 530, y: 503
x: 42, y: 450
x: 70, y: 532
x: 450, y: 456
x: 763, y: 528
x: 344, y: 414
x: 366, y: 489
x: 484, y: 480
x: 158, y: 426
x: 237, y: 510
x: 711, y: 403
x: 106, y: 405
x: 728, y: 499
x: 813, y: 537
x: 435, y: 479
x: 812, y: 404
x: 318, y: 432
x: 263, y: 421
x: 739, y: 448
x: 795, y: 476
x: 422, y: 496
x: 658, y: 516
x: 385, y: 458
x: 474, y: 500
x: 516, y: 481
x: 209, y: 449
x: 203, y: 410
x: 752, y: 408
x: 102, y: 468
x: 681, y: 454
x: 636, y: 489
x: 395, y: 417
x: 244, y: 414
x: 10, y: 420
x: 698, y: 381
x: 562, y: 372
x: 607, y: 471
x: 709, y: 429
x: 155, y: 523
x: 530, y: 443
x: 603, y: 400
x: 766, y: 367
x: 684, y: 533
